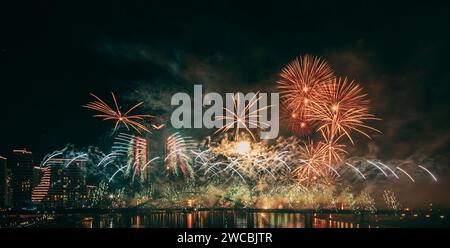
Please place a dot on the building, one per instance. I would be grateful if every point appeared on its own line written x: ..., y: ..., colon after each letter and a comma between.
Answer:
x: 3, y: 182
x: 62, y: 185
x: 21, y: 166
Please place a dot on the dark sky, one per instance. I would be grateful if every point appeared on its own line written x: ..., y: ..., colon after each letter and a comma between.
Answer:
x: 53, y: 55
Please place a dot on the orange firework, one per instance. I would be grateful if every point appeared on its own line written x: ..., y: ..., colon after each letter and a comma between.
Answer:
x: 297, y: 122
x: 334, y: 152
x: 318, y: 162
x: 109, y: 113
x: 342, y: 109
x: 299, y: 87
x: 312, y: 161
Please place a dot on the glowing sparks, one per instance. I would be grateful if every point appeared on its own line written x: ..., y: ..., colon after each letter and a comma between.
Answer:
x: 248, y: 162
x: 108, y: 113
x: 429, y: 172
x: 313, y: 160
x: 243, y: 147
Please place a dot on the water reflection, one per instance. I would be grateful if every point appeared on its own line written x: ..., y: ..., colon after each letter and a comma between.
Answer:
x: 205, y: 219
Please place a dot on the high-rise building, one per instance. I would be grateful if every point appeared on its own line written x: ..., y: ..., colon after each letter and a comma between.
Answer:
x: 3, y: 182
x: 21, y: 166
x: 62, y: 185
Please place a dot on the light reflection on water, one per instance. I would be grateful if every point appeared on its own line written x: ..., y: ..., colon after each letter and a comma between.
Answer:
x: 202, y: 219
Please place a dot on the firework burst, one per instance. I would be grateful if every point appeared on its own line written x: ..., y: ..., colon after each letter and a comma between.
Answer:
x: 243, y: 115
x: 179, y: 155
x: 134, y: 150
x: 300, y: 85
x: 343, y: 109
x: 108, y: 113
x: 318, y: 162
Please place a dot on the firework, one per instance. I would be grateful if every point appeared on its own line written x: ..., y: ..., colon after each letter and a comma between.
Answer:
x: 312, y: 161
x: 179, y: 155
x: 342, y: 109
x: 389, y: 168
x: 243, y: 115
x: 49, y: 157
x: 378, y: 167
x: 299, y: 87
x: 297, y: 122
x: 391, y: 200
x: 429, y: 172
x: 334, y: 151
x: 313, y: 99
x: 108, y: 158
x: 134, y: 149
x: 75, y: 158
x: 406, y: 173
x: 67, y: 156
x: 248, y: 161
x: 108, y: 113
x: 356, y: 170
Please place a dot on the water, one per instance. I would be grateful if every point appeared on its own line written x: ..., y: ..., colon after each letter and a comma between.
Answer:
x: 241, y: 219
x: 224, y: 219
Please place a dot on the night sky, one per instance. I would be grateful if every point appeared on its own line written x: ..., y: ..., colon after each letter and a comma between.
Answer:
x: 52, y: 56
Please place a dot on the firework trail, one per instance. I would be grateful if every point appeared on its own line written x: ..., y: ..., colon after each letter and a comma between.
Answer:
x: 391, y: 170
x: 299, y: 87
x: 134, y: 149
x: 406, y: 173
x: 179, y: 155
x: 378, y: 167
x: 429, y: 172
x: 243, y: 115
x: 112, y: 156
x: 75, y: 158
x: 148, y: 163
x: 356, y: 170
x: 49, y: 157
x: 117, y: 171
x: 68, y: 155
x: 108, y: 113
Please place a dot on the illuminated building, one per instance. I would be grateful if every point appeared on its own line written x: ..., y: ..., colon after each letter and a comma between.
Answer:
x: 21, y: 165
x: 3, y: 182
x: 41, y: 189
x: 62, y: 185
